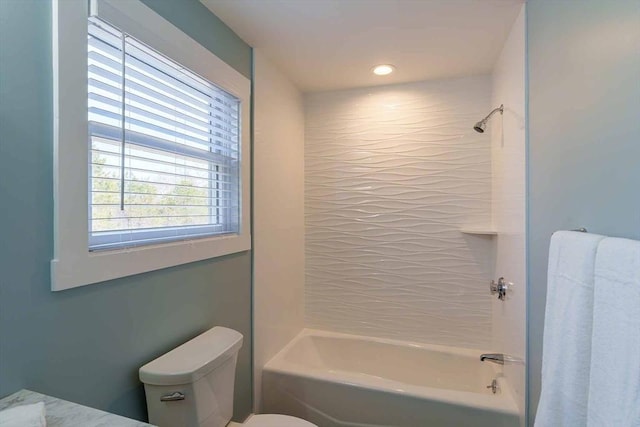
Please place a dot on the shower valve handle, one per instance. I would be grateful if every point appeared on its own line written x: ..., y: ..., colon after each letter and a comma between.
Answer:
x: 500, y: 288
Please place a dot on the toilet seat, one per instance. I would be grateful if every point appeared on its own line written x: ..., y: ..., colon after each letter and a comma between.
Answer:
x: 272, y: 420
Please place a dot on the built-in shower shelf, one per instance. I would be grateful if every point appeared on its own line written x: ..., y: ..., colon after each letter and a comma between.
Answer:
x: 481, y: 231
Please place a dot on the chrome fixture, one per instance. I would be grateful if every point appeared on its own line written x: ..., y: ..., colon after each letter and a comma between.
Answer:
x: 494, y: 386
x: 479, y: 127
x: 501, y: 359
x: 581, y: 230
x: 493, y: 357
x: 500, y: 288
x: 172, y: 397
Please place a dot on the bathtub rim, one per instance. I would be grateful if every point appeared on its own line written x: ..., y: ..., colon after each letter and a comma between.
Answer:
x: 503, y: 403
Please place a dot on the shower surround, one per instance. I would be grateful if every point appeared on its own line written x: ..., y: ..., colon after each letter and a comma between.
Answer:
x: 392, y: 174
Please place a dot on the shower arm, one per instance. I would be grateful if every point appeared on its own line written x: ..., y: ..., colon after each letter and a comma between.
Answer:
x: 500, y: 108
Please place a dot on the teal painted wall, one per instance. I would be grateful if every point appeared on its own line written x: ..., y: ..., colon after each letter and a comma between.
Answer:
x: 86, y: 344
x: 584, y: 135
x: 197, y: 21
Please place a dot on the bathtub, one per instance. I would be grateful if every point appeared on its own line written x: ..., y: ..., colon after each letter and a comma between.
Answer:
x: 340, y: 380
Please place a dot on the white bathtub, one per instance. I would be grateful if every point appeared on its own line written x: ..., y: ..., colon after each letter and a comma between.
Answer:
x: 339, y: 380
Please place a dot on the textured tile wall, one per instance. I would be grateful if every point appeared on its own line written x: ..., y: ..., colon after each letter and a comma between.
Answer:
x: 391, y: 175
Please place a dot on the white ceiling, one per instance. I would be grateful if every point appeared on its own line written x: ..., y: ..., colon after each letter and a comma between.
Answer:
x: 333, y: 44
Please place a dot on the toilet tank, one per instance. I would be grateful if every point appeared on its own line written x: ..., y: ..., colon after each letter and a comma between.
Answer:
x: 192, y: 385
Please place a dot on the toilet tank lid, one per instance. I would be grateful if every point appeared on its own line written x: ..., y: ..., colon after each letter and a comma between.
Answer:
x: 194, y: 359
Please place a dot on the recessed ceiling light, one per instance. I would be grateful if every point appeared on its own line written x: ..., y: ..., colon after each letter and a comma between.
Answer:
x: 383, y: 70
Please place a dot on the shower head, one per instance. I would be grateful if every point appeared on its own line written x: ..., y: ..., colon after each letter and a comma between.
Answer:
x: 482, y: 124
x: 479, y: 127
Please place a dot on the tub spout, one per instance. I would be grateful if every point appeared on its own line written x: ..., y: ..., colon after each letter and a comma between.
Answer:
x: 493, y: 357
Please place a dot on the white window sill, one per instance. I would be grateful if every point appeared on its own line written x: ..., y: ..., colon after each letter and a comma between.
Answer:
x: 93, y: 267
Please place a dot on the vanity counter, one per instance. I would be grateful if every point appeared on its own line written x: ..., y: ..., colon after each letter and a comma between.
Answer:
x: 61, y: 413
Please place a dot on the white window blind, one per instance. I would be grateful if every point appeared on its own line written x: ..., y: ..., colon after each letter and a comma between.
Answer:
x: 164, y: 147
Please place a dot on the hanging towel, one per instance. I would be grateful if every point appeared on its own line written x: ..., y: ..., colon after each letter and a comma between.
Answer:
x: 24, y: 416
x: 614, y: 387
x: 566, y: 352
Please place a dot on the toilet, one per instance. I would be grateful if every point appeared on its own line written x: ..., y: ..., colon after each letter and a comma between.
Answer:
x: 192, y: 385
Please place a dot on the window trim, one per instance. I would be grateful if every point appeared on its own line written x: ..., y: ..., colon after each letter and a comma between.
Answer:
x: 73, y: 264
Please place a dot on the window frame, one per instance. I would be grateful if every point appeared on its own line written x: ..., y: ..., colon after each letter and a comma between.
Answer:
x: 73, y: 264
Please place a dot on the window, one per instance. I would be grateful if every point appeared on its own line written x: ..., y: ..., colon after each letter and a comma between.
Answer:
x: 151, y: 153
x: 164, y: 147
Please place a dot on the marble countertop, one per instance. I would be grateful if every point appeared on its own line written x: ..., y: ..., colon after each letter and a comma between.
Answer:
x: 61, y: 413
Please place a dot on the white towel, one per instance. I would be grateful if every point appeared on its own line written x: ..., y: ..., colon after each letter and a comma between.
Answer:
x: 24, y: 416
x: 566, y: 352
x: 614, y: 388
